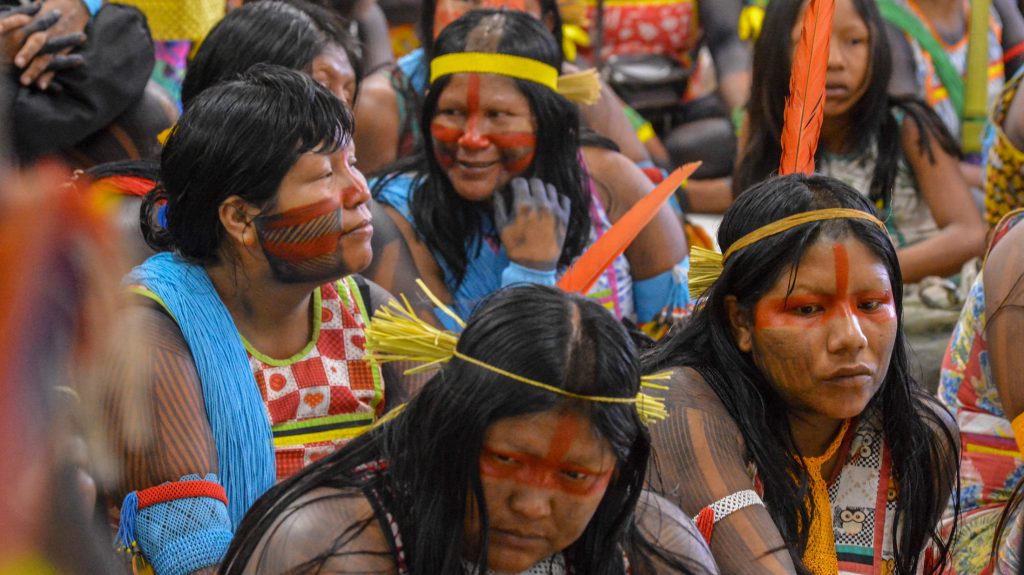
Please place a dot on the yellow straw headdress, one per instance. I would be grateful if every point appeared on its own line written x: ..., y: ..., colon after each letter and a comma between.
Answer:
x: 396, y: 333
x: 706, y: 265
x: 578, y: 87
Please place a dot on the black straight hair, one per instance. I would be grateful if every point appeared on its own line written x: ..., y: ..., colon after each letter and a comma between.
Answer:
x: 441, y: 216
x: 432, y: 448
x: 872, y: 118
x: 289, y: 33
x: 238, y: 138
x: 925, y: 454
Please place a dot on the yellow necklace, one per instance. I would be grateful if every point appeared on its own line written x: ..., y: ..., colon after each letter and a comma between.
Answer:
x: 820, y: 553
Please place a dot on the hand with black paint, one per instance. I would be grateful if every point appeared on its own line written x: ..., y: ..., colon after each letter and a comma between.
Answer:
x: 38, y: 37
x: 533, y: 230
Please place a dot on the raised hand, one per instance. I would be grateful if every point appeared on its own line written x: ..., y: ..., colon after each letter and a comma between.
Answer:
x: 533, y: 230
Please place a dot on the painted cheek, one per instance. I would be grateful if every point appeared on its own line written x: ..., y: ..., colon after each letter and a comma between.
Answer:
x: 517, y: 150
x: 302, y: 234
x: 445, y: 143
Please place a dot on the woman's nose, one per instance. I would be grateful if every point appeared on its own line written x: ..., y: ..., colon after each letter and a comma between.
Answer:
x: 354, y: 190
x: 846, y: 333
x: 530, y: 502
x: 471, y: 139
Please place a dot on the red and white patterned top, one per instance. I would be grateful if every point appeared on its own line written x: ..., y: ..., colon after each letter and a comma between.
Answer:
x: 323, y: 396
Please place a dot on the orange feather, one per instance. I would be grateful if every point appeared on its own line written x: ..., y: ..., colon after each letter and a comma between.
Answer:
x: 805, y: 107
x: 588, y: 268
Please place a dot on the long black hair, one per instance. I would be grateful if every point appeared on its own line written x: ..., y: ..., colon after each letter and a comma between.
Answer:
x: 872, y: 118
x: 924, y: 451
x: 432, y: 448
x: 441, y: 216
x: 238, y: 138
x: 290, y: 33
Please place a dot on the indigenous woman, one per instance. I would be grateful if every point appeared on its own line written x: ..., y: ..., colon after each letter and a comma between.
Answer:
x: 389, y: 113
x: 525, y: 453
x: 983, y: 385
x: 471, y: 218
x: 895, y: 151
x: 254, y: 319
x: 791, y: 387
x: 290, y: 33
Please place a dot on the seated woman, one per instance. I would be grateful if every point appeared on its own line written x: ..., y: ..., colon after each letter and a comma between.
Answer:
x: 791, y: 387
x: 982, y: 383
x: 472, y: 221
x: 894, y: 151
x: 525, y: 453
x: 317, y: 44
x: 254, y: 319
x: 388, y: 114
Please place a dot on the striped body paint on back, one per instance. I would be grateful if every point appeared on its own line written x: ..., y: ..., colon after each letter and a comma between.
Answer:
x: 301, y: 244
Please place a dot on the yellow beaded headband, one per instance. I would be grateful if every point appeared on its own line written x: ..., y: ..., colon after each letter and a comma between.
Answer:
x: 578, y: 87
x: 396, y: 333
x: 706, y: 265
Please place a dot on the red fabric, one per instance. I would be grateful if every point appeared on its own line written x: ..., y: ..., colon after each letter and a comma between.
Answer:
x: 126, y: 185
x: 181, y: 490
x: 706, y: 523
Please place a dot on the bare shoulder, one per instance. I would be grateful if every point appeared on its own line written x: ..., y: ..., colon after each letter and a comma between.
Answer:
x: 327, y: 530
x: 667, y: 528
x: 688, y: 389
x: 619, y: 180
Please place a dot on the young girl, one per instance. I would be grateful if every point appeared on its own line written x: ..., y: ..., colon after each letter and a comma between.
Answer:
x: 895, y: 151
x: 791, y: 386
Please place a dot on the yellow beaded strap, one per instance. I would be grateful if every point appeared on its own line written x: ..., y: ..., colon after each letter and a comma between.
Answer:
x: 820, y: 553
x: 579, y: 87
x: 396, y: 333
x: 706, y: 265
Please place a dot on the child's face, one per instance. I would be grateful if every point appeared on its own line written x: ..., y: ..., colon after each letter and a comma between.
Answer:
x: 849, y: 61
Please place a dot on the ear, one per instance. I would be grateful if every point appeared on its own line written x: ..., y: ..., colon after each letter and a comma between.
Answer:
x: 236, y: 216
x: 741, y: 324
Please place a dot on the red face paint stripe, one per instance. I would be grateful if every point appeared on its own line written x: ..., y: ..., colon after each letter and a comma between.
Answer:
x: 302, y: 215
x: 445, y: 134
x: 514, y: 140
x: 842, y: 260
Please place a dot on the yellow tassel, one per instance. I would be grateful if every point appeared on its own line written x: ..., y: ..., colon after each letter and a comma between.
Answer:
x: 396, y: 333
x: 573, y: 36
x: 705, y: 267
x: 582, y: 87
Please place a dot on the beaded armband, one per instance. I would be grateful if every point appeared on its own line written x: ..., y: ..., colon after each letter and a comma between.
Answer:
x: 722, y: 508
x: 176, y: 528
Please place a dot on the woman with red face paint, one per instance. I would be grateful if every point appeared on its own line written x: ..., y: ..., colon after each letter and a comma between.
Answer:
x: 526, y: 453
x: 504, y: 193
x: 255, y: 316
x: 388, y: 114
x: 791, y: 387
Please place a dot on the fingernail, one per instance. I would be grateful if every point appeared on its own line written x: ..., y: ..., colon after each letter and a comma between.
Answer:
x: 19, y: 62
x: 25, y: 80
x: 44, y: 85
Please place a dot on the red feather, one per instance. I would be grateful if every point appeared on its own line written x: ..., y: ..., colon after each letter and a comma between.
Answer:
x: 805, y: 107
x: 588, y: 268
